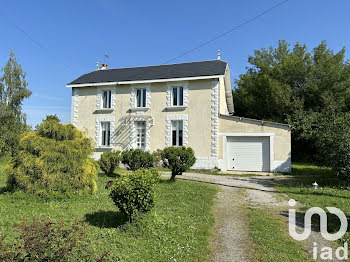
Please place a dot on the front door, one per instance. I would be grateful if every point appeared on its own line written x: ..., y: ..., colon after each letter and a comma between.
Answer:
x: 140, y: 134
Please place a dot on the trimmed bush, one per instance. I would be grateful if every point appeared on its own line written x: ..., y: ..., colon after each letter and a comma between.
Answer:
x: 45, y: 240
x: 133, y: 193
x: 53, y: 160
x: 178, y: 159
x: 134, y: 159
x: 109, y: 161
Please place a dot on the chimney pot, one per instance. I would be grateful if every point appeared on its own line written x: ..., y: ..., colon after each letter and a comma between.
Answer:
x: 219, y: 55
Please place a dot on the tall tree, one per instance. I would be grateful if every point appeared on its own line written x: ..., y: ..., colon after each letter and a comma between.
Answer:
x: 294, y: 86
x: 13, y: 90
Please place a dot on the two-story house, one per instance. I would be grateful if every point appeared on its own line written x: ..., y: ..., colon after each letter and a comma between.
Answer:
x: 187, y: 104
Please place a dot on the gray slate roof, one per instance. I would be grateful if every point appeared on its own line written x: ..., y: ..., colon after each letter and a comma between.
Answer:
x: 194, y: 69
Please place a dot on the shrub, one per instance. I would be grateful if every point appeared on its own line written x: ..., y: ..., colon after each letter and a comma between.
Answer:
x: 178, y: 159
x: 158, y: 157
x: 135, y: 159
x: 44, y: 240
x: 133, y: 193
x: 53, y: 160
x: 109, y: 161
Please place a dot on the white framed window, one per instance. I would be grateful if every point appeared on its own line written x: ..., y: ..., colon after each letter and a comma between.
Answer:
x: 177, y: 133
x: 141, y: 97
x: 177, y: 95
x: 140, y: 134
x: 105, y: 134
x: 106, y: 99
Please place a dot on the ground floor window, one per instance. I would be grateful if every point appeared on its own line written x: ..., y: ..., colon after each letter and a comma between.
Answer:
x: 140, y: 134
x: 177, y: 133
x: 106, y: 133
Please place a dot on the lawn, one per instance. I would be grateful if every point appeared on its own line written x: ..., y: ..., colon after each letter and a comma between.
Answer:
x: 329, y: 193
x: 271, y: 239
x: 177, y: 229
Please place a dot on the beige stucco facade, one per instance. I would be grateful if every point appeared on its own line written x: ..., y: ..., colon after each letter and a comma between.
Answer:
x: 205, y: 116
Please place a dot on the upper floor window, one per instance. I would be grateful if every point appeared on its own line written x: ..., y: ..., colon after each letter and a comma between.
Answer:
x: 141, y: 98
x: 107, y: 99
x: 178, y: 96
x: 177, y: 133
x: 106, y: 134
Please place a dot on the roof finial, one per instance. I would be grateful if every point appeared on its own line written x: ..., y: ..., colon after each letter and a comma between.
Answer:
x: 96, y: 65
x: 219, y: 56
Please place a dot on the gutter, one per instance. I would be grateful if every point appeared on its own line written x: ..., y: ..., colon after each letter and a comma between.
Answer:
x: 239, y: 118
x: 145, y: 81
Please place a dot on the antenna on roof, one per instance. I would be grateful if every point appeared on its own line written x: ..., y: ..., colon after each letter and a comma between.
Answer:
x: 219, y: 55
x: 105, y: 57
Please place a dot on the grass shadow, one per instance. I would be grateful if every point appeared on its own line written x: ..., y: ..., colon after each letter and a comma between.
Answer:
x: 4, y: 189
x: 106, y: 219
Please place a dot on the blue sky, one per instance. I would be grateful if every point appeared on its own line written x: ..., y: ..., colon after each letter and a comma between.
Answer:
x: 73, y: 35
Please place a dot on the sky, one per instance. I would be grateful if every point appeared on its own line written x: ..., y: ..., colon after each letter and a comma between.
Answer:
x: 58, y: 41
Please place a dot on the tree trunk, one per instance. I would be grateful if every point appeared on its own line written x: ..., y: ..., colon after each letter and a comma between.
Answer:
x: 173, y: 175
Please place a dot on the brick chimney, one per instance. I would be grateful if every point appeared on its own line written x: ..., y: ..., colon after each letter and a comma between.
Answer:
x: 104, y: 67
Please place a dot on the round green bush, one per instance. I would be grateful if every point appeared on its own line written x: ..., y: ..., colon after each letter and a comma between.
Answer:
x: 134, y: 159
x: 178, y: 159
x: 109, y: 161
x: 53, y: 160
x: 133, y: 193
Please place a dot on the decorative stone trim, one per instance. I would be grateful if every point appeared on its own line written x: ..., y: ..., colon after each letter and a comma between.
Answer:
x: 170, y: 85
x: 214, y: 118
x: 168, y: 120
x: 148, y: 96
x: 148, y: 135
x: 74, y: 110
x: 100, y: 119
x: 133, y: 94
x: 99, y: 97
x: 132, y: 142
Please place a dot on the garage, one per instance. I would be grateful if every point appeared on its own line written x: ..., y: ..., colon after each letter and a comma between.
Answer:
x: 248, y: 153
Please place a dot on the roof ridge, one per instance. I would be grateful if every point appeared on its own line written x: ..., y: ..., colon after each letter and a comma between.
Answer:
x: 164, y: 64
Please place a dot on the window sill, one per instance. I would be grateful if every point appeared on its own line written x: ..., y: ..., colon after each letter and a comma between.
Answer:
x: 104, y: 147
x: 104, y: 110
x: 139, y: 109
x: 175, y: 108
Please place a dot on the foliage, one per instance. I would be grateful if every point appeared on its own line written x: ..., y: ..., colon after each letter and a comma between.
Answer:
x: 333, y: 142
x: 44, y: 240
x: 294, y: 86
x: 133, y: 193
x: 13, y: 90
x: 109, y: 161
x: 182, y: 214
x: 178, y: 159
x: 135, y: 159
x: 158, y: 157
x: 53, y: 160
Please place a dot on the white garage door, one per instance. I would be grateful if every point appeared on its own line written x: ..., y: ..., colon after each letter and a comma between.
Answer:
x: 248, y: 153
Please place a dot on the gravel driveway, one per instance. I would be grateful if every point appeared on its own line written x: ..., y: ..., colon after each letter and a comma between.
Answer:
x: 231, y: 241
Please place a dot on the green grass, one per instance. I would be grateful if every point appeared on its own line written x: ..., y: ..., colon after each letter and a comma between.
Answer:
x: 177, y: 228
x: 329, y: 193
x: 271, y: 239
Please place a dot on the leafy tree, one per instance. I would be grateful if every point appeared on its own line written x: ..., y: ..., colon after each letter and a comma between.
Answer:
x: 178, y: 159
x: 53, y: 160
x: 294, y: 86
x: 13, y: 90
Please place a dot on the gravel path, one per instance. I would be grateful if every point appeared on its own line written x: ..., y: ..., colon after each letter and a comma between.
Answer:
x: 231, y: 241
